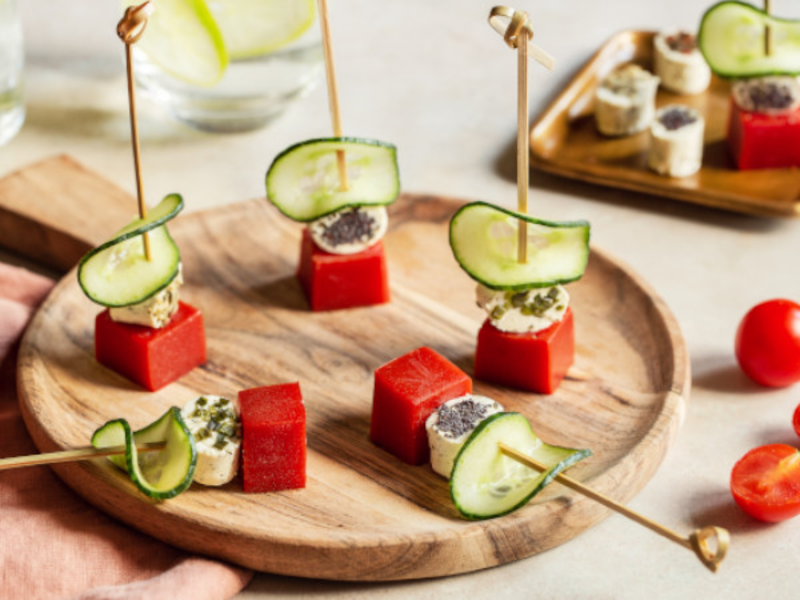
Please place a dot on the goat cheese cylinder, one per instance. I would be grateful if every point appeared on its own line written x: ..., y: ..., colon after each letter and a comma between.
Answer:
x: 676, y: 141
x: 450, y: 425
x: 350, y: 230
x: 156, y: 311
x: 215, y: 424
x: 625, y: 101
x: 679, y: 64
x: 523, y: 312
x: 772, y: 95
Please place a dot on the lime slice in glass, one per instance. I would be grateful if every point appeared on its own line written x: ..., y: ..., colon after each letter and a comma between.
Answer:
x: 182, y: 38
x: 253, y: 28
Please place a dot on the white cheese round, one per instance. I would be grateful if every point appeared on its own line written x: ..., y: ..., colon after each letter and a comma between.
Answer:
x: 682, y: 72
x: 469, y: 411
x: 217, y: 453
x: 625, y: 101
x: 676, y: 151
x: 360, y: 227
x: 772, y: 95
x: 156, y: 311
x: 523, y: 312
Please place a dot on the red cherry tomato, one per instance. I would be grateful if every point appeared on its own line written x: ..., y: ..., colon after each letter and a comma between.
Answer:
x: 766, y: 483
x: 796, y: 420
x: 768, y: 343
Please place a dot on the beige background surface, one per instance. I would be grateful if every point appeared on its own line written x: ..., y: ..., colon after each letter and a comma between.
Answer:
x: 433, y: 78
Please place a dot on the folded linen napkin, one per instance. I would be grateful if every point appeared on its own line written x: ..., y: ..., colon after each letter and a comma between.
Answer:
x: 52, y: 543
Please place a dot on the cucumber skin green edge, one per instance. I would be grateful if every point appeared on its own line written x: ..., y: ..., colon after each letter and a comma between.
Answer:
x: 522, y: 286
x: 129, y: 443
x: 726, y: 75
x: 574, y: 458
x: 127, y: 236
x: 347, y: 140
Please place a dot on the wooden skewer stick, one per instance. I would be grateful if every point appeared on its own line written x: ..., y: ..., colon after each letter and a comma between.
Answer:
x: 517, y: 33
x: 52, y: 458
x: 697, y: 541
x: 129, y: 30
x: 767, y: 31
x: 333, y: 93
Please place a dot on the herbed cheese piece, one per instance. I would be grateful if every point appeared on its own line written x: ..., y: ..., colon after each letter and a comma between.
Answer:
x: 679, y: 64
x: 154, y: 312
x: 767, y: 95
x: 676, y: 141
x: 625, y: 101
x: 214, y: 422
x: 523, y: 312
x: 451, y: 424
x: 350, y: 230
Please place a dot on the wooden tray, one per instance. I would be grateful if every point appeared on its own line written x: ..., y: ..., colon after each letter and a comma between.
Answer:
x: 565, y: 141
x: 364, y: 515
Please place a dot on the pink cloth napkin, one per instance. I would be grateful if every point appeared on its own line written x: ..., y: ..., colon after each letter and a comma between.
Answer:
x: 52, y: 543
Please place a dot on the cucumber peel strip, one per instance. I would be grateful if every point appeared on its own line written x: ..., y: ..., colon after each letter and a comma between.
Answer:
x: 558, y: 251
x: 731, y: 38
x: 160, y: 475
x: 100, y: 275
x: 371, y: 184
x: 471, y: 491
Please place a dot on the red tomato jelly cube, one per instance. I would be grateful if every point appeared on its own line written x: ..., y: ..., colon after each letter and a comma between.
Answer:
x: 151, y: 357
x: 273, y: 438
x: 334, y: 281
x: 759, y: 141
x: 407, y: 390
x: 534, y: 362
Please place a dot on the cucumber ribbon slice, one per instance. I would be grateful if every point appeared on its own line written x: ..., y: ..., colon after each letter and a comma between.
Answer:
x: 117, y: 273
x: 483, y: 238
x: 303, y: 180
x: 485, y: 483
x: 162, y: 474
x: 731, y: 38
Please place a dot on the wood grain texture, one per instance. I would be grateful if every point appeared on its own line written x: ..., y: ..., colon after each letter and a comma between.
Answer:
x: 57, y: 210
x: 564, y: 140
x: 364, y: 515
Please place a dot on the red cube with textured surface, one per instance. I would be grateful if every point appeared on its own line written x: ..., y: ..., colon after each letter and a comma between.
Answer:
x: 534, y: 362
x: 152, y: 357
x: 334, y: 281
x: 407, y: 390
x: 273, y: 438
x: 759, y: 141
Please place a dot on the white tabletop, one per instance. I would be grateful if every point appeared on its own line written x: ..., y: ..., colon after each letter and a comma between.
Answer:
x: 434, y: 79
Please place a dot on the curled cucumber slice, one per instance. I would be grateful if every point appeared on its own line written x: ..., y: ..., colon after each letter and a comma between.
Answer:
x: 485, y: 483
x: 303, y: 180
x: 160, y: 474
x: 731, y: 38
x: 483, y: 238
x: 117, y: 273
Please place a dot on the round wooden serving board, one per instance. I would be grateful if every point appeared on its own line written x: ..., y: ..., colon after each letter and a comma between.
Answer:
x: 364, y: 515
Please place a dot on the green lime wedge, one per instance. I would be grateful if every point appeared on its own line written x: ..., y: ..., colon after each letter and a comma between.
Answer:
x: 256, y: 27
x: 183, y: 39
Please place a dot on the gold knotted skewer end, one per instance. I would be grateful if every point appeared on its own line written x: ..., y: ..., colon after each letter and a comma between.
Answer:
x: 512, y: 25
x: 131, y: 26
x: 710, y: 544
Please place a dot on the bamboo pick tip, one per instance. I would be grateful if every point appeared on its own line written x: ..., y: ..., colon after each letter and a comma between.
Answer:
x: 131, y: 27
x: 711, y: 555
x: 511, y: 24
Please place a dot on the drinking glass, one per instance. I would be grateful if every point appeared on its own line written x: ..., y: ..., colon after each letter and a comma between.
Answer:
x: 252, y: 91
x: 12, y: 109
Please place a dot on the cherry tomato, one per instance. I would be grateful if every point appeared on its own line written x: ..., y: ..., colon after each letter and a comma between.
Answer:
x: 796, y: 420
x: 766, y: 483
x: 768, y: 343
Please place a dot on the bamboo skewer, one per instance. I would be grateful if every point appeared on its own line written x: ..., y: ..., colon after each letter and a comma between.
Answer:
x: 333, y: 93
x: 515, y: 27
x: 767, y: 31
x: 697, y: 541
x: 129, y: 30
x: 65, y: 456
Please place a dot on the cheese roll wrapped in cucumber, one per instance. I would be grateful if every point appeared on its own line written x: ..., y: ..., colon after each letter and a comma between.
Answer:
x: 625, y: 101
x: 676, y: 141
x: 679, y: 64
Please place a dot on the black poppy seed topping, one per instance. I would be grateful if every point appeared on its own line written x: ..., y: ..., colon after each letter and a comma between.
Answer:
x: 351, y: 226
x: 460, y: 418
x: 770, y: 95
x: 675, y: 118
